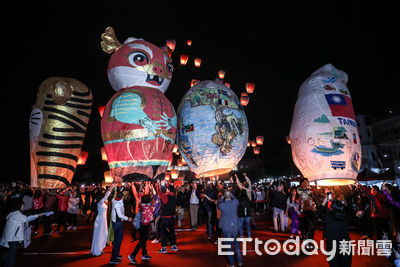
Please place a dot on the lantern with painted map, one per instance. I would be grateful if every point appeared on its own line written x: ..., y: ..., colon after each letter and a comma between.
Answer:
x: 139, y: 123
x: 324, y: 135
x: 213, y: 129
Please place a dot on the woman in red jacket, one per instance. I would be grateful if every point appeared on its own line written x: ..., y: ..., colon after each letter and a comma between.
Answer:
x: 146, y: 216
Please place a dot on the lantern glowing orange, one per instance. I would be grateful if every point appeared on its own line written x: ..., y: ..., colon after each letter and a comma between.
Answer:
x: 244, y: 100
x: 101, y: 110
x: 82, y: 158
x: 197, y: 62
x: 248, y: 144
x: 189, y: 42
x: 244, y: 94
x: 167, y: 176
x: 108, y: 179
x: 221, y: 74
x: 184, y: 59
x: 256, y: 150
x: 103, y: 154
x: 250, y: 87
x: 260, y: 140
x: 193, y: 82
x: 171, y: 44
x: 174, y: 174
x: 228, y: 85
x: 175, y: 148
x: 253, y: 143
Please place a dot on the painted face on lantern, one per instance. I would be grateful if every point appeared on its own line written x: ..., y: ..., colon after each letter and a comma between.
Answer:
x: 140, y: 63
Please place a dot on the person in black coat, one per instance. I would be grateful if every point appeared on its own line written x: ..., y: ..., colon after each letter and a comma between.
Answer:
x: 336, y: 229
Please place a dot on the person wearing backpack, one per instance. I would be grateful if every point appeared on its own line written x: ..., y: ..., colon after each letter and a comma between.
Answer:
x: 244, y: 212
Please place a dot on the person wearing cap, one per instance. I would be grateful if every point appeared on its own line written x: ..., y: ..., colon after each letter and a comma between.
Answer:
x: 117, y: 217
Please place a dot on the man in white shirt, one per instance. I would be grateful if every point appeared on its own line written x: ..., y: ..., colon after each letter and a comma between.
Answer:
x: 194, y: 201
x: 117, y: 217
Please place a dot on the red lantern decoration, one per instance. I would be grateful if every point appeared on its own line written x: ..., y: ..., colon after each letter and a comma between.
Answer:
x: 244, y: 100
x: 260, y: 140
x: 184, y: 59
x: 82, y: 158
x: 221, y: 74
x: 250, y: 87
x: 101, y: 110
x: 193, y: 82
x: 197, y: 62
x: 171, y: 45
x: 189, y: 42
x: 256, y: 150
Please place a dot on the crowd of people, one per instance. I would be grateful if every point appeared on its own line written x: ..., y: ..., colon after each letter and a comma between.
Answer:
x: 227, y: 209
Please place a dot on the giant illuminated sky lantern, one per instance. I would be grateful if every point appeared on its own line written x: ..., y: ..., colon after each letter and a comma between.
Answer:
x: 213, y: 130
x: 324, y: 134
x: 57, y: 128
x: 139, y: 123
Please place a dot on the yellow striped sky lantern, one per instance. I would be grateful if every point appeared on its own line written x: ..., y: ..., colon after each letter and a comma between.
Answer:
x: 324, y: 135
x: 108, y: 179
x: 256, y: 150
x: 57, y: 128
x: 221, y: 74
x: 244, y: 100
x: 171, y: 44
x: 197, y: 62
x: 83, y: 157
x: 184, y: 59
x: 250, y: 87
x: 260, y: 140
x: 189, y: 42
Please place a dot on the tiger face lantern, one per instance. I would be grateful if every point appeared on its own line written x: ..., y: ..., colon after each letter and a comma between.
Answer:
x: 57, y: 129
x: 139, y: 123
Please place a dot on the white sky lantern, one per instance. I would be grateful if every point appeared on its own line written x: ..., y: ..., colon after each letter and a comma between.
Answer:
x: 213, y: 129
x: 324, y: 134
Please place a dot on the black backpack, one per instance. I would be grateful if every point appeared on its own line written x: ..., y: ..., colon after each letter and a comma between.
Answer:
x: 244, y: 206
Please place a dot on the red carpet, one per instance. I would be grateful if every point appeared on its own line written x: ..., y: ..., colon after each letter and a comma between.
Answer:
x: 72, y: 248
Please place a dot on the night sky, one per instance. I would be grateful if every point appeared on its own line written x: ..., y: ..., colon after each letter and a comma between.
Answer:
x: 277, y: 46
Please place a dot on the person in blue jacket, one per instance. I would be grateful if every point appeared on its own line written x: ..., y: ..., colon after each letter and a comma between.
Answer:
x: 230, y: 224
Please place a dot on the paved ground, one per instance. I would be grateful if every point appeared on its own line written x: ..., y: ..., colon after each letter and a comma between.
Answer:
x: 73, y: 249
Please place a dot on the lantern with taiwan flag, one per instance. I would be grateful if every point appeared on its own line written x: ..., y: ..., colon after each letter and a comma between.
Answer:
x: 324, y: 134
